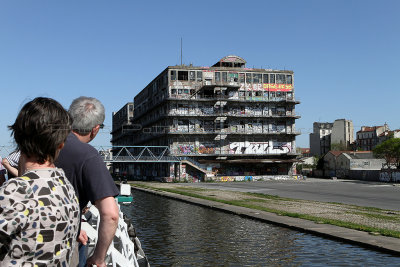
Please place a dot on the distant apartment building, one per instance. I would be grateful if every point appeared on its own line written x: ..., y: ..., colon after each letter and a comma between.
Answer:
x: 388, y: 134
x: 368, y: 137
x: 338, y: 135
x: 122, y: 135
x: 226, y: 119
x: 342, y: 133
x: 121, y: 132
x: 320, y: 138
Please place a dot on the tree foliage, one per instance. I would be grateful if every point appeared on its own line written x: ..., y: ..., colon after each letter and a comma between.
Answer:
x: 390, y: 151
x: 339, y: 147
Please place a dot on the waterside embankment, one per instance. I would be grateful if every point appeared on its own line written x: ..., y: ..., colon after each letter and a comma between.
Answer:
x: 374, y: 228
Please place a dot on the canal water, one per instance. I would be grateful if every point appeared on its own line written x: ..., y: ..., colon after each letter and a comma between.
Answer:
x: 175, y: 233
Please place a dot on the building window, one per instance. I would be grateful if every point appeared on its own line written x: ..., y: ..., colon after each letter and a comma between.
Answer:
x: 265, y: 78
x: 272, y: 78
x: 233, y: 77
x: 192, y: 75
x: 241, y: 77
x: 280, y: 79
x: 173, y: 75
x: 257, y: 78
x: 248, y: 78
x: 289, y: 79
x: 182, y: 75
x: 199, y: 76
x: 224, y: 77
x: 217, y: 76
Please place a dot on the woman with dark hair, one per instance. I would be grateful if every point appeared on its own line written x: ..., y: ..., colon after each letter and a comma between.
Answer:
x: 39, y: 211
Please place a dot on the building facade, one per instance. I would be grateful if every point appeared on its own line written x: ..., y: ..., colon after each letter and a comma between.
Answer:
x: 338, y: 135
x: 342, y: 133
x: 369, y: 137
x: 121, y: 132
x: 320, y: 138
x: 223, y: 120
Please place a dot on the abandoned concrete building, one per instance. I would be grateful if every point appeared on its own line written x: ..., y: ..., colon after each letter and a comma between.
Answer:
x: 221, y: 121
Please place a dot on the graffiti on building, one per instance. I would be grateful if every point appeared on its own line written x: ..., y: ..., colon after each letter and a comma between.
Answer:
x: 387, y: 176
x: 249, y: 148
x: 207, y: 149
x: 272, y: 147
x: 186, y: 149
x: 227, y: 178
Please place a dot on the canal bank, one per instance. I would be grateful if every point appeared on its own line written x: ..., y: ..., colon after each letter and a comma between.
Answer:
x: 361, y: 238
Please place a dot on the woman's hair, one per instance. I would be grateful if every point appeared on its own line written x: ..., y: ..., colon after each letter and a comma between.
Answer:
x: 86, y: 113
x: 41, y: 127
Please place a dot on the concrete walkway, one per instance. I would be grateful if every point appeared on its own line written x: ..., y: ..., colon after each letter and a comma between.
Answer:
x: 377, y: 242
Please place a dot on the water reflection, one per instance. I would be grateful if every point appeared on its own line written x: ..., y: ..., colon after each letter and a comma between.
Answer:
x: 175, y: 233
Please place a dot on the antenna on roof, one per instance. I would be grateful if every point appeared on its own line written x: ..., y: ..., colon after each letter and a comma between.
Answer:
x: 181, y: 51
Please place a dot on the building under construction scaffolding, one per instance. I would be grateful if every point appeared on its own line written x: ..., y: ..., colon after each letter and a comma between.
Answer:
x: 224, y: 120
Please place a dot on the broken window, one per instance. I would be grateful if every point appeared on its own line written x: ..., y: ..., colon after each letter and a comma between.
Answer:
x: 192, y: 75
x: 199, y: 76
x: 232, y: 77
x: 173, y: 75
x: 241, y: 77
x: 280, y: 78
x: 182, y: 75
x: 224, y: 77
x: 217, y: 77
x: 272, y: 95
x: 248, y: 78
x: 272, y: 78
x: 256, y: 78
x: 265, y: 78
x: 289, y: 79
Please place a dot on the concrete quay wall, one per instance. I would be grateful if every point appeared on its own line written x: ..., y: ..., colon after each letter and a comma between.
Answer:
x: 376, y: 242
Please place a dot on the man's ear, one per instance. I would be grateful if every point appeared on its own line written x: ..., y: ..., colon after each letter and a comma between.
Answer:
x: 60, y: 146
x: 94, y: 132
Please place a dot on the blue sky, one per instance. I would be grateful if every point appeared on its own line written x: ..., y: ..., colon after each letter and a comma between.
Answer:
x: 344, y: 53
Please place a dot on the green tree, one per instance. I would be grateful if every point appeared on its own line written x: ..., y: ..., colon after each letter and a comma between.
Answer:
x: 339, y: 147
x: 390, y: 151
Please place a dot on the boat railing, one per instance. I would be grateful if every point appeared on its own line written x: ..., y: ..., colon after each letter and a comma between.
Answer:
x: 124, y: 250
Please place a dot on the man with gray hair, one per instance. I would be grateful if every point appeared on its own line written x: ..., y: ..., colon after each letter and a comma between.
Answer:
x: 87, y: 172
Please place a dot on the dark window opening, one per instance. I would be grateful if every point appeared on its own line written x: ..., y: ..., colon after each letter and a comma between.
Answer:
x: 199, y: 76
x: 272, y: 78
x: 280, y: 78
x: 217, y: 76
x: 265, y: 78
x: 241, y: 77
x: 182, y: 75
x: 289, y: 79
x: 257, y: 78
x: 248, y: 78
x: 173, y: 75
x: 224, y: 77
